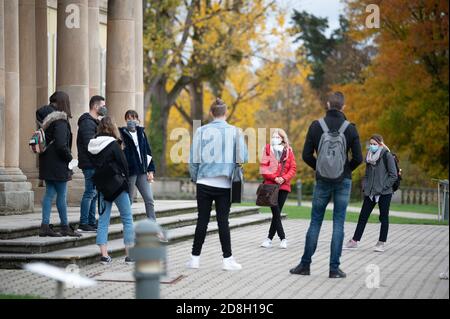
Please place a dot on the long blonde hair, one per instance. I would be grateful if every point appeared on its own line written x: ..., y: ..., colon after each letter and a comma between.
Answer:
x: 283, y: 135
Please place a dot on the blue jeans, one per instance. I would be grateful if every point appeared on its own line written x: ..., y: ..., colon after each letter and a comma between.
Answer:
x: 140, y: 181
x: 124, y: 206
x: 60, y: 190
x: 88, y: 202
x: 322, y: 196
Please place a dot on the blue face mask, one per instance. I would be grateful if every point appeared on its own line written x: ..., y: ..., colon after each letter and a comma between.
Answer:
x: 131, y: 125
x: 373, y: 148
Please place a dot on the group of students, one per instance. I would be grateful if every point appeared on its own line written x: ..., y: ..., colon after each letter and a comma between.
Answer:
x: 122, y: 155
x: 104, y: 148
x: 278, y: 166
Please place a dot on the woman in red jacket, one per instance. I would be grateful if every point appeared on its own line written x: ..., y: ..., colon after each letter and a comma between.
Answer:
x: 278, y: 167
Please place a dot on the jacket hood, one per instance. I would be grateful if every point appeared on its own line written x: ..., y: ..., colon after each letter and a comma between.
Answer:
x: 98, y: 144
x: 52, y: 117
x: 336, y: 113
x: 86, y: 116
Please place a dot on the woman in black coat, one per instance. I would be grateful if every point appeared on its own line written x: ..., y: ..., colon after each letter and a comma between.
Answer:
x: 111, y: 180
x: 54, y: 163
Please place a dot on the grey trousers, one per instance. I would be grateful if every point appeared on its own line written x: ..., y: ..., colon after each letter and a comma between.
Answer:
x: 144, y: 187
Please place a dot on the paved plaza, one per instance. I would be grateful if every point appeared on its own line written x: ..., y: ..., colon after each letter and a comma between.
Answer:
x: 409, y: 268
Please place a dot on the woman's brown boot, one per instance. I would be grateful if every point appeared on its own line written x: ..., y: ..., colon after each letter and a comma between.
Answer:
x: 47, y: 231
x: 67, y: 231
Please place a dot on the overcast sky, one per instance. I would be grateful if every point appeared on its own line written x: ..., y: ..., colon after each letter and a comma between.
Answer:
x: 322, y: 8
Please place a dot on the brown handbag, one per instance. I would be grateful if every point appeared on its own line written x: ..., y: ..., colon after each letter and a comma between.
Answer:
x: 267, y: 194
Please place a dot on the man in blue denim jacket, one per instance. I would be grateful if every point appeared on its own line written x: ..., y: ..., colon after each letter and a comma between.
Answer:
x: 216, y: 149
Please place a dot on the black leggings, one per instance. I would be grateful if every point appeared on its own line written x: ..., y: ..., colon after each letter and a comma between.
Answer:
x: 205, y: 196
x: 367, y: 208
x: 276, y: 226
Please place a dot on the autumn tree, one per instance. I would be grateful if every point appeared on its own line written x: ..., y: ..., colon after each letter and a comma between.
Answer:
x: 188, y: 44
x: 405, y: 92
x: 334, y: 59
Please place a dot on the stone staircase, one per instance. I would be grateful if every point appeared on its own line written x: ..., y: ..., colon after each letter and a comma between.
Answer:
x: 20, y: 244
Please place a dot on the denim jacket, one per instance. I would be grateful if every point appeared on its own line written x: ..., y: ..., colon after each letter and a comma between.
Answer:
x: 214, y: 149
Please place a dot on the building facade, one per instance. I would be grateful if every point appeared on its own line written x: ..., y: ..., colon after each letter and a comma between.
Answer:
x: 82, y: 47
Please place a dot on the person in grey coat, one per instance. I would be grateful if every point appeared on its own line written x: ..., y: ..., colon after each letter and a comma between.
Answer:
x: 381, y: 174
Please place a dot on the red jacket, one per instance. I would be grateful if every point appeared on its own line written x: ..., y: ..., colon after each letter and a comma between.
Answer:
x: 270, y: 168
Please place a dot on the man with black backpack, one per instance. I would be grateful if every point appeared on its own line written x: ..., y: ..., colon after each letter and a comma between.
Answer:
x: 332, y: 138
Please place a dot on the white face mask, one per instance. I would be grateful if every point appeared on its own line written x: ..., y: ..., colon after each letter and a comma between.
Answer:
x: 276, y: 140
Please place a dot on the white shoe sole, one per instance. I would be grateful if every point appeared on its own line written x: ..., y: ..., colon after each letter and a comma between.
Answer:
x: 189, y: 266
x: 86, y: 231
x: 379, y: 250
x: 231, y: 269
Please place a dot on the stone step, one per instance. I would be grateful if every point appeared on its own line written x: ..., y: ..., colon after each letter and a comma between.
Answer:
x: 90, y: 254
x: 17, y: 226
x: 35, y: 244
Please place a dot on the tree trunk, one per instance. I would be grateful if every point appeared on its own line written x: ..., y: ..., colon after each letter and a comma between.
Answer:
x: 157, y: 130
x: 196, y: 96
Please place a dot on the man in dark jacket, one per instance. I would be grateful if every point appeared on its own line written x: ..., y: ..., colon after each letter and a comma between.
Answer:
x: 87, y: 128
x: 325, y: 189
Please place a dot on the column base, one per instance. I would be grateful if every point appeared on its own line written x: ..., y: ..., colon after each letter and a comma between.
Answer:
x: 16, y: 195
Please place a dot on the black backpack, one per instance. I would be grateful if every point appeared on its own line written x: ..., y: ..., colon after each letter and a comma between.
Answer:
x: 396, y: 185
x: 109, y: 180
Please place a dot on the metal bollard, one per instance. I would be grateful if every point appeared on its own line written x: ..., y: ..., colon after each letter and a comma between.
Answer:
x: 445, y: 203
x: 149, y: 255
x: 299, y: 192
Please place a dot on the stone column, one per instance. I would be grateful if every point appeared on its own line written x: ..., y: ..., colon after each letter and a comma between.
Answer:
x: 72, y: 69
x: 12, y: 84
x: 139, y: 63
x: 28, y: 98
x: 15, y: 191
x: 94, y: 48
x: 41, y: 53
x: 2, y: 86
x: 72, y: 72
x: 120, y: 64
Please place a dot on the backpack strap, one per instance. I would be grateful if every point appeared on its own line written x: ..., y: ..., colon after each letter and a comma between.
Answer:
x: 324, y: 125
x: 385, y: 160
x: 344, y: 126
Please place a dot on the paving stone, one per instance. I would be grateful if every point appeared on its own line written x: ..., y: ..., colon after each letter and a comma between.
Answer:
x: 409, y: 268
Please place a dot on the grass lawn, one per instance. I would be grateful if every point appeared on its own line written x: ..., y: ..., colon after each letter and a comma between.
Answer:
x: 295, y: 212
x: 424, y: 209
x: 18, y: 297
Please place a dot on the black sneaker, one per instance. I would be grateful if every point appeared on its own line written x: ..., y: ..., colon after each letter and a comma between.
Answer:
x: 337, y: 273
x: 106, y: 260
x: 301, y: 270
x: 129, y: 261
x: 86, y: 229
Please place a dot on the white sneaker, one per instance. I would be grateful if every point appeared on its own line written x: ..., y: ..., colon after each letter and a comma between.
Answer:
x: 230, y: 264
x: 351, y: 244
x: 194, y: 262
x: 380, y: 247
x: 266, y: 243
x: 283, y: 244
